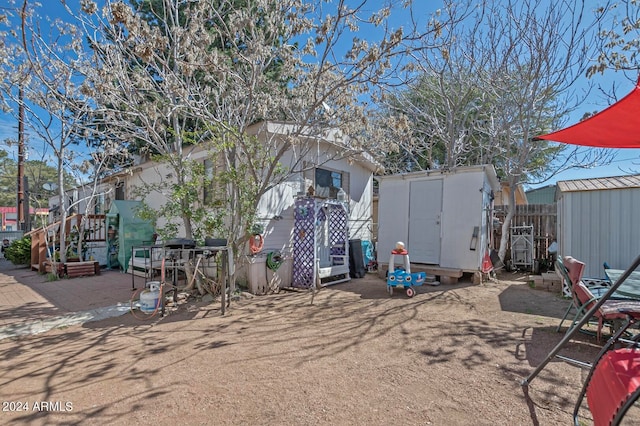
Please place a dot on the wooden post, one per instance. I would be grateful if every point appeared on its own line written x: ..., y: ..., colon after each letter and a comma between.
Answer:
x: 223, y: 282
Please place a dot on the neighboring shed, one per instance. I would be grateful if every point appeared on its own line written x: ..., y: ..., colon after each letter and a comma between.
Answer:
x: 443, y: 217
x: 543, y: 195
x: 598, y: 221
x: 502, y: 195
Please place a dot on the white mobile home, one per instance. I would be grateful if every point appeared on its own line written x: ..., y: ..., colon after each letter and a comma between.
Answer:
x: 442, y: 216
x: 598, y: 221
x: 323, y: 171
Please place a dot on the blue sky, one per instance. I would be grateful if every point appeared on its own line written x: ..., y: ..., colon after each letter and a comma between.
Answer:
x: 626, y: 161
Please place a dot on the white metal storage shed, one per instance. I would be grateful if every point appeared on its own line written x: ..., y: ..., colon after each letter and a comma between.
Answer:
x: 598, y: 221
x: 442, y: 216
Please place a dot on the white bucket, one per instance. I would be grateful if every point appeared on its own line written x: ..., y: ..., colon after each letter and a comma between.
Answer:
x: 149, y: 301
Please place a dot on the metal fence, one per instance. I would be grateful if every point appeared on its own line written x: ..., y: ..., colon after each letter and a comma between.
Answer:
x: 11, y: 235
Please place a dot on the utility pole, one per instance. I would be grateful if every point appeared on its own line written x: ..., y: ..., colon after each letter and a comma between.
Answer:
x: 20, y: 204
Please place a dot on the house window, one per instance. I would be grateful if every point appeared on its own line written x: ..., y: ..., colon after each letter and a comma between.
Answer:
x: 120, y: 191
x: 328, y: 183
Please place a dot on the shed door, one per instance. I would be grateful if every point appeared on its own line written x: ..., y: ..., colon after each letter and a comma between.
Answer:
x: 425, y: 208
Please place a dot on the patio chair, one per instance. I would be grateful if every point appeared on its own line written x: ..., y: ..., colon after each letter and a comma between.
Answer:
x: 609, y: 312
x: 577, y: 269
x: 612, y: 311
x: 568, y: 281
x: 606, y: 266
x: 613, y: 383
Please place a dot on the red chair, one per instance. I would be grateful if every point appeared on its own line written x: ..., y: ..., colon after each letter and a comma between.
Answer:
x: 584, y: 299
x: 576, y: 268
x: 610, y: 310
x: 613, y: 383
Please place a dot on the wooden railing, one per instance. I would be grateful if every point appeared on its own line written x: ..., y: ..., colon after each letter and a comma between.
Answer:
x: 93, y: 225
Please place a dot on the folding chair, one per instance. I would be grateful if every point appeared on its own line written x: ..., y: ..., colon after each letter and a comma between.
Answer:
x: 577, y: 269
x: 611, y: 311
x: 571, y: 332
x: 613, y: 383
x: 568, y: 282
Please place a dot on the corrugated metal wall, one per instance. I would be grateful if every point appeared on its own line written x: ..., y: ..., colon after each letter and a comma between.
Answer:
x: 600, y: 226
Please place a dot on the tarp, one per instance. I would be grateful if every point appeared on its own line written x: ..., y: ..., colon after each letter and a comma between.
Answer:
x: 131, y: 229
x: 618, y: 126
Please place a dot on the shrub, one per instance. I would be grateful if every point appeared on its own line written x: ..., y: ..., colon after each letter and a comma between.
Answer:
x: 19, y: 251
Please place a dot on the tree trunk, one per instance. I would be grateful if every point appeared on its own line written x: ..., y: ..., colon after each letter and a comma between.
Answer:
x: 62, y: 245
x: 506, y: 225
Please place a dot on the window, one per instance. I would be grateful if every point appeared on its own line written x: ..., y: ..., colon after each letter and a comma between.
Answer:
x: 120, y: 191
x: 328, y: 183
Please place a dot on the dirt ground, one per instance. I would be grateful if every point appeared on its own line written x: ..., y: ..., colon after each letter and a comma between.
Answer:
x: 451, y: 355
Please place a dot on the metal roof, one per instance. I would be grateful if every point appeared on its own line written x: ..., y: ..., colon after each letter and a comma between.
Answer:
x: 598, y: 184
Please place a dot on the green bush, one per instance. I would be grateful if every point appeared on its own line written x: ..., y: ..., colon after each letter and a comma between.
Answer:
x: 19, y: 251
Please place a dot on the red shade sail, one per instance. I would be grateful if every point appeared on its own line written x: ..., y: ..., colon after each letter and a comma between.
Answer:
x: 618, y: 126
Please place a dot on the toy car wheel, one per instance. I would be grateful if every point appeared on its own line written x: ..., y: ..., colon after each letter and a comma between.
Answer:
x: 410, y: 292
x: 390, y: 290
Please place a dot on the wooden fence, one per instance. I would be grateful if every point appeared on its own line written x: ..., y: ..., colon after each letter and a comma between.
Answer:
x: 543, y: 218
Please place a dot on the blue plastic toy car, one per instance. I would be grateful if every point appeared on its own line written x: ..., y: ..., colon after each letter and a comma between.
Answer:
x: 403, y: 279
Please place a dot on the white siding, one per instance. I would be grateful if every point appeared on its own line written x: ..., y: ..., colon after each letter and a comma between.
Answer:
x: 279, y: 201
x: 275, y: 213
x: 275, y: 209
x: 600, y: 226
x: 393, y: 215
x: 154, y: 173
x: 87, y: 197
x: 360, y: 203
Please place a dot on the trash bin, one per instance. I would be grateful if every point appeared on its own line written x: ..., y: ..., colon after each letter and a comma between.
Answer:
x: 356, y: 259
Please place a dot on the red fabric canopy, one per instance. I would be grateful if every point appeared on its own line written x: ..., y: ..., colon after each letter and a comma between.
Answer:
x: 618, y: 126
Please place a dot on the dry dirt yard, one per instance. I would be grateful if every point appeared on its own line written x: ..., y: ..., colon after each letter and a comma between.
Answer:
x: 452, y: 355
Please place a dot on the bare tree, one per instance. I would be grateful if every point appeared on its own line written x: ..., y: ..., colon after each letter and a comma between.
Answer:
x: 6, y: 52
x: 539, y: 52
x: 189, y: 76
x: 56, y: 113
x: 443, y: 98
x: 619, y: 37
x: 506, y: 75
